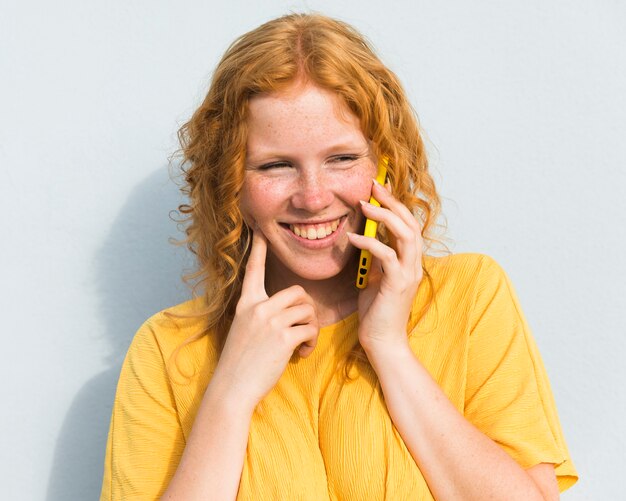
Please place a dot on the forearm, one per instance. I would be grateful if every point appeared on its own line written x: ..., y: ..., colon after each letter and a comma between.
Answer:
x: 213, y: 459
x: 457, y: 460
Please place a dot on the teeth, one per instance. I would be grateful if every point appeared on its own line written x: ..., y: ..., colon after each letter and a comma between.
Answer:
x: 316, y: 231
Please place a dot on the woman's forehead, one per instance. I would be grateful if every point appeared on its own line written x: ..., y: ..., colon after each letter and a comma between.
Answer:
x: 308, y: 118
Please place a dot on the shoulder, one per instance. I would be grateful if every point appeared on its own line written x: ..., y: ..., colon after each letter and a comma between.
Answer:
x: 457, y: 285
x: 459, y: 263
x: 162, y: 333
x: 460, y: 271
x: 179, y: 320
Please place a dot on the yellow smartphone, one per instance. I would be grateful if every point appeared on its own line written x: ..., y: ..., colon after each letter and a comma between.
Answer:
x: 371, y: 227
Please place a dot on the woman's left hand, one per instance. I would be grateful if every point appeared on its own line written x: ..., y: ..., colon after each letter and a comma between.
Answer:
x: 395, y: 273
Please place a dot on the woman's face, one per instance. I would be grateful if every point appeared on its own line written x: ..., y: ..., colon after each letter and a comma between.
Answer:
x: 307, y: 167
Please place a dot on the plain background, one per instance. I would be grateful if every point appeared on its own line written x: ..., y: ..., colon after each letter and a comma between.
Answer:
x: 524, y: 109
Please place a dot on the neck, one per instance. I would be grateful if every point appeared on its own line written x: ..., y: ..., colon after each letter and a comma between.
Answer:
x: 335, y: 298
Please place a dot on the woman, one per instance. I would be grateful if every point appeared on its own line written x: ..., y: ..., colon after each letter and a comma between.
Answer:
x: 282, y: 380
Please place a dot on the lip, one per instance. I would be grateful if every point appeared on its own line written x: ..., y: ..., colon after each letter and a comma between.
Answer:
x: 318, y: 243
x: 319, y: 221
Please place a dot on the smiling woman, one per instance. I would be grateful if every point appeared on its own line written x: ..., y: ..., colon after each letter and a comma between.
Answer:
x: 308, y: 165
x: 282, y: 380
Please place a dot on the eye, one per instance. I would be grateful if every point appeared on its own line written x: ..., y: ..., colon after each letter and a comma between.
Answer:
x: 344, y: 158
x: 274, y: 165
x: 343, y: 162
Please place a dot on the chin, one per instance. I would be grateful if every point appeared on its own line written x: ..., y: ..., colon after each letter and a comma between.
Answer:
x: 318, y: 274
x: 324, y: 269
x: 309, y: 268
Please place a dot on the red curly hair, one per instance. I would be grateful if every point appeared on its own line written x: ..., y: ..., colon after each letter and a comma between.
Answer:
x: 330, y: 54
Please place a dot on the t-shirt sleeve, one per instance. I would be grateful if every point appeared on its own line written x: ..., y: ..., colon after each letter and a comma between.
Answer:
x: 508, y: 395
x: 145, y: 440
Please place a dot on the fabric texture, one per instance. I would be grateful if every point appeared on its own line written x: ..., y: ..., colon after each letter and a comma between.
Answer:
x: 316, y: 436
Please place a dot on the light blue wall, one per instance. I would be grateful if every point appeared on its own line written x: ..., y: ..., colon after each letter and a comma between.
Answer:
x: 523, y: 104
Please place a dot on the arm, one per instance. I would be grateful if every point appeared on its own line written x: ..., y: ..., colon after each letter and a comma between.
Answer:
x: 544, y: 477
x: 456, y: 458
x: 263, y: 336
x: 145, y: 439
x: 215, y: 451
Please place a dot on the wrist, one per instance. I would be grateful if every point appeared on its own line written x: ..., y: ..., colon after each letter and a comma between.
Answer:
x: 224, y: 395
x: 392, y: 348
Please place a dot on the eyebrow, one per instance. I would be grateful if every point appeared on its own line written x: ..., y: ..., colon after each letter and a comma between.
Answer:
x: 348, y: 146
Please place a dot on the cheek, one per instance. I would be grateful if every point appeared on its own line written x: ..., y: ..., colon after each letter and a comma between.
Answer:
x: 248, y: 203
x: 357, y: 186
x: 365, y: 189
x: 259, y: 200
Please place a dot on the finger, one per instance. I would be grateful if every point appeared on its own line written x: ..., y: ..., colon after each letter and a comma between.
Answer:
x: 304, y: 350
x: 385, y: 254
x: 406, y: 240
x: 289, y: 297
x: 389, y: 201
x: 254, y: 280
x: 393, y: 274
x: 307, y: 336
x: 386, y: 199
x: 299, y: 314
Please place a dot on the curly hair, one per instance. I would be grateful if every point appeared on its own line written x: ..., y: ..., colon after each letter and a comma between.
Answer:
x: 330, y: 54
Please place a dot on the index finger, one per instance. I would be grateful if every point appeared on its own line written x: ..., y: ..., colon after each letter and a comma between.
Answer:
x: 386, y: 199
x: 254, y: 279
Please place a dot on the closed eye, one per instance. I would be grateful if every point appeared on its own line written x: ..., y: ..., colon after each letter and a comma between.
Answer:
x: 336, y: 160
x: 274, y: 165
x: 344, y: 158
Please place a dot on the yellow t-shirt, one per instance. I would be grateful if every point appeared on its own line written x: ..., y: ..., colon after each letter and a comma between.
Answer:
x: 316, y: 437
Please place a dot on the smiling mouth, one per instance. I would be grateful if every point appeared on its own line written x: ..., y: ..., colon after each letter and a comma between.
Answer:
x: 315, y: 231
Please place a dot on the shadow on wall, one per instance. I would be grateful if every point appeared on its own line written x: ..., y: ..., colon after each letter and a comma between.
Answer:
x: 137, y: 274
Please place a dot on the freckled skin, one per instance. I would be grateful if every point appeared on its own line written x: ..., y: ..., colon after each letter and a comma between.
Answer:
x: 326, y: 168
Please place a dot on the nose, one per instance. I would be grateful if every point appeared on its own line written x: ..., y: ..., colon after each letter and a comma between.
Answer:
x: 313, y: 193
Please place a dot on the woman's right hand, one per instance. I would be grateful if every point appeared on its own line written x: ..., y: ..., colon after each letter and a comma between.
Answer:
x: 265, y: 332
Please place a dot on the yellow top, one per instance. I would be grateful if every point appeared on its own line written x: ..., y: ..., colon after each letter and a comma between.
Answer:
x: 317, y: 438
